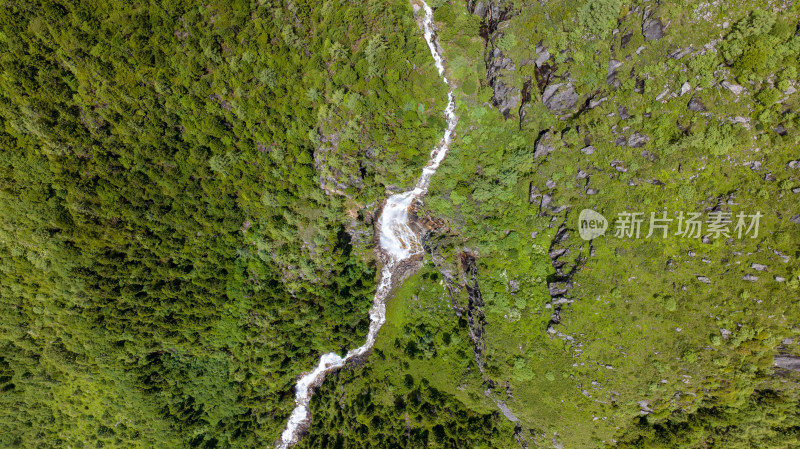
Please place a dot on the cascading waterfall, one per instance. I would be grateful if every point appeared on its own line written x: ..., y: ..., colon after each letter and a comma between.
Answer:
x: 397, y: 244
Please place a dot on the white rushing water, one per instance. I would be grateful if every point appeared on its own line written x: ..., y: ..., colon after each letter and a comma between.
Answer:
x: 397, y: 243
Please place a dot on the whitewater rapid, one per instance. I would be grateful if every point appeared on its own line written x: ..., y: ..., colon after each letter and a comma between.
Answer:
x: 397, y: 242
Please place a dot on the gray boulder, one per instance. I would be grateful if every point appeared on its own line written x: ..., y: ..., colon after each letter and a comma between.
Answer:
x: 560, y: 97
x: 480, y: 9
x: 533, y: 195
x: 637, y: 140
x: 789, y: 362
x: 595, y: 103
x: 506, y: 98
x: 491, y: 11
x: 544, y: 145
x: 653, y: 29
x: 617, y: 164
x: 556, y: 253
x: 542, y: 54
x: 546, y: 200
x: 625, y: 39
x: 680, y: 53
x: 735, y: 88
x: 696, y: 105
x: 611, y: 73
x: 557, y: 288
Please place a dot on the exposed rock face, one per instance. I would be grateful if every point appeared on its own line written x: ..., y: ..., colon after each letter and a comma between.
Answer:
x: 625, y: 39
x: 560, y: 97
x: 506, y: 97
x: 617, y: 164
x: 637, y: 140
x: 681, y: 52
x: 507, y: 412
x: 479, y: 9
x: 611, y: 74
x: 533, y: 194
x: 561, y: 283
x: 457, y: 278
x: 557, y: 288
x: 542, y: 54
x: 491, y: 11
x: 639, y: 88
x: 696, y: 105
x: 789, y: 362
x: 736, y: 89
x: 653, y: 29
x: 759, y: 267
x: 475, y: 316
x: 497, y: 63
x: 544, y: 145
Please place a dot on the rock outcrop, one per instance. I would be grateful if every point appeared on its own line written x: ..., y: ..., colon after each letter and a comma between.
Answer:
x: 696, y: 105
x: 652, y: 28
x: 560, y: 97
x: 789, y: 362
x: 506, y: 97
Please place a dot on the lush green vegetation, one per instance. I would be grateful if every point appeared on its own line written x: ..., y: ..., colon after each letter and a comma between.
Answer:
x: 165, y: 242
x: 188, y: 190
